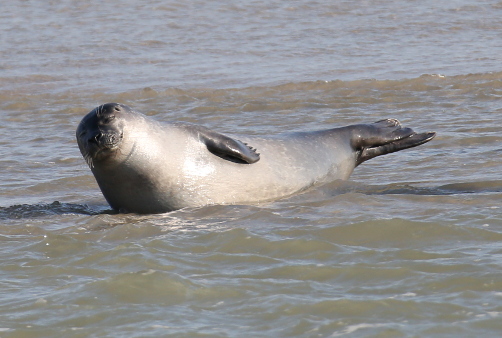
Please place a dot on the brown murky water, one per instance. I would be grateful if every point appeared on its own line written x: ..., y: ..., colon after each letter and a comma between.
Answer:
x: 410, y: 246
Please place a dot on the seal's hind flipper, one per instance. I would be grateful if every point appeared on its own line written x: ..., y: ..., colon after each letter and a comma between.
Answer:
x: 228, y: 148
x: 408, y: 142
x: 384, y: 137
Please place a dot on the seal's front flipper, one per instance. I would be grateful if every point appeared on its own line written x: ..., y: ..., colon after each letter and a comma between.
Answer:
x: 228, y: 148
x: 385, y: 137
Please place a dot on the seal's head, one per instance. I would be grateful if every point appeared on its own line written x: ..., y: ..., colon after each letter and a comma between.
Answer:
x: 101, y: 132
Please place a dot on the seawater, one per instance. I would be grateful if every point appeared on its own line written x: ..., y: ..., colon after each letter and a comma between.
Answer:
x: 409, y: 246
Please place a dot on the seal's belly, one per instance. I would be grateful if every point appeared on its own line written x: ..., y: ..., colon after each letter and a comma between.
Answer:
x: 285, y: 167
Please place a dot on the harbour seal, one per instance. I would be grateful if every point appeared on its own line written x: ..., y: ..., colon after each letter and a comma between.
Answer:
x: 143, y: 166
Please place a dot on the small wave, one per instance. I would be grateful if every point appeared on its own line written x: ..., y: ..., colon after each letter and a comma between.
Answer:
x: 472, y: 187
x: 446, y: 189
x: 340, y: 187
x: 43, y: 209
x: 332, y: 93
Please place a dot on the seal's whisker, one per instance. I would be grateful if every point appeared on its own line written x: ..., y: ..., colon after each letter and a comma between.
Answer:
x: 88, y: 160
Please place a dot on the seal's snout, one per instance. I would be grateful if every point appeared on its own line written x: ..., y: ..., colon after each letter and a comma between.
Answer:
x: 108, y: 140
